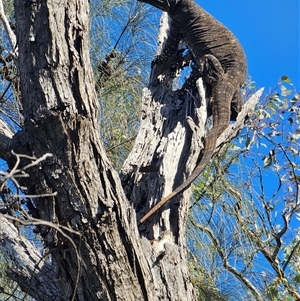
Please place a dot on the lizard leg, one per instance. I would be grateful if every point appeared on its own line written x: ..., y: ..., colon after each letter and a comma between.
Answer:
x: 183, y: 59
x: 170, y: 49
x: 236, y: 105
x: 171, y: 45
x: 209, y: 68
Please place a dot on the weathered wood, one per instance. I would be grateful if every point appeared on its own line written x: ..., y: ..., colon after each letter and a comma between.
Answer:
x: 88, y: 227
x: 61, y: 117
x: 5, y: 138
x: 31, y: 272
x: 86, y: 223
x: 171, y: 136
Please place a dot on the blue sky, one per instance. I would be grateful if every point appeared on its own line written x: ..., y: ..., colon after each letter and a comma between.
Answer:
x: 269, y: 33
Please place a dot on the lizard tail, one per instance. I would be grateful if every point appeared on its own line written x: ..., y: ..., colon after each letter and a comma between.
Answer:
x: 210, y: 145
x: 221, y: 119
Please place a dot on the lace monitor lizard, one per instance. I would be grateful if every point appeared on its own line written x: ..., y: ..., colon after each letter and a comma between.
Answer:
x: 220, y: 61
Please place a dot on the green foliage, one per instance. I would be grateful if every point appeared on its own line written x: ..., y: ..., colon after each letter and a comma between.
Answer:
x: 243, y: 242
x: 9, y: 78
x: 204, y: 285
x: 8, y: 6
x: 243, y: 228
x: 121, y: 35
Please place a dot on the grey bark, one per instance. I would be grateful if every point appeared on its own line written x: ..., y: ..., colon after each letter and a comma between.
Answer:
x: 31, y: 272
x: 167, y: 148
x: 88, y: 227
x: 5, y: 138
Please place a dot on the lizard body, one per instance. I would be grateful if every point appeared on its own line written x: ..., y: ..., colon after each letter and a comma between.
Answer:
x: 220, y: 61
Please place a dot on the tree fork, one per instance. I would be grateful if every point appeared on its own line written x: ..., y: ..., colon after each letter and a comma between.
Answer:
x: 60, y: 111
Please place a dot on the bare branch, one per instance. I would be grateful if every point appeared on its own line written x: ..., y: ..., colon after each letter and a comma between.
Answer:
x: 11, y: 35
x: 270, y: 256
x: 247, y: 111
x: 291, y: 255
x: 225, y: 262
x: 16, y: 172
x: 34, y: 275
x: 63, y: 231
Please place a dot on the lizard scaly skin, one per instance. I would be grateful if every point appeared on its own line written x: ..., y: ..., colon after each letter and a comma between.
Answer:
x: 220, y: 61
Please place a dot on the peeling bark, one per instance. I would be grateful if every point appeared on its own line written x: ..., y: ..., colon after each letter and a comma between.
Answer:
x: 167, y: 148
x: 87, y: 225
x: 101, y: 256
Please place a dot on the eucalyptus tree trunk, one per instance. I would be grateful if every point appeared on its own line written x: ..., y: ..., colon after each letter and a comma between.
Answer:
x: 87, y: 225
x: 93, y: 245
